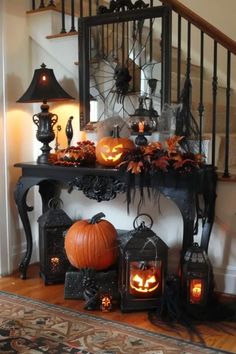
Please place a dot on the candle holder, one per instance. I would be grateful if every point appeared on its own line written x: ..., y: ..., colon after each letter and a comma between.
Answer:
x: 197, y: 279
x: 142, y: 122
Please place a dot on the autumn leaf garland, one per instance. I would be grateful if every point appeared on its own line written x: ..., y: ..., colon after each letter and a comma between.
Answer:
x: 161, y: 157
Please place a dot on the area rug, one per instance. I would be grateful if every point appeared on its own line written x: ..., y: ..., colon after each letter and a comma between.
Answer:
x: 32, y: 327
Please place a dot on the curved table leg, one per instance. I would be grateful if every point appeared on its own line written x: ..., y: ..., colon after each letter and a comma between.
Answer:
x: 185, y: 201
x: 209, y: 196
x: 20, y: 195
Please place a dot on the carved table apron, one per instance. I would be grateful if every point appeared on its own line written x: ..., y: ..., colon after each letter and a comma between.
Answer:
x: 102, y: 184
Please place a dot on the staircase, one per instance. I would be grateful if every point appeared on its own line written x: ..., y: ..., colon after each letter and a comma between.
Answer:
x: 213, y: 105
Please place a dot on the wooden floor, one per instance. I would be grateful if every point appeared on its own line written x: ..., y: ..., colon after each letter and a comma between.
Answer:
x: 218, y: 335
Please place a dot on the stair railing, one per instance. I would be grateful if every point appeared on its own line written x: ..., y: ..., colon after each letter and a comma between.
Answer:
x: 221, y: 43
x: 74, y: 8
x: 187, y: 22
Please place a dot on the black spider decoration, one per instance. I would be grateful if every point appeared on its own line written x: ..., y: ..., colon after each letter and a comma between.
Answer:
x: 121, y: 5
x: 122, y: 78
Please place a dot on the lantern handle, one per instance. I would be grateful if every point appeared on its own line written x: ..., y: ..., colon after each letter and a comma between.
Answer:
x: 139, y: 222
x: 55, y: 203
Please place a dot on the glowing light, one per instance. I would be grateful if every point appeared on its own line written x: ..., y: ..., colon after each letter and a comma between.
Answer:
x: 196, y: 290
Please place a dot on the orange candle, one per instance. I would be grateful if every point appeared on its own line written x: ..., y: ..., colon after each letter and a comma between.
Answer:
x: 141, y: 127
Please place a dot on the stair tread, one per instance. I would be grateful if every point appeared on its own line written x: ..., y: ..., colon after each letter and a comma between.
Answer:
x: 62, y: 35
x: 43, y: 9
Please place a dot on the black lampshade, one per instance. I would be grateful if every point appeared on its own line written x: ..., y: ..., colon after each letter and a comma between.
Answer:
x: 44, y: 87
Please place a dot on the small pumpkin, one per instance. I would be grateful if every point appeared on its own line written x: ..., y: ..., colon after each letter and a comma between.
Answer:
x: 111, y: 150
x: 92, y: 243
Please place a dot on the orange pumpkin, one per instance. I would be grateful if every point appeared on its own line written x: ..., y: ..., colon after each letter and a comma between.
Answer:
x: 111, y: 150
x: 92, y: 243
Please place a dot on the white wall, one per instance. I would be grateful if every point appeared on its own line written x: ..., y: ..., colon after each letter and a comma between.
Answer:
x: 22, y: 146
x: 219, y: 13
x: 16, y: 127
x: 3, y: 220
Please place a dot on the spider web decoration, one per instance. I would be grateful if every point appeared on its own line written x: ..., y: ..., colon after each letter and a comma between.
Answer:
x: 123, y: 67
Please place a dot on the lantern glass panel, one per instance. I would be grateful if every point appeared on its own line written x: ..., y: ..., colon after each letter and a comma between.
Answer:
x: 56, y: 260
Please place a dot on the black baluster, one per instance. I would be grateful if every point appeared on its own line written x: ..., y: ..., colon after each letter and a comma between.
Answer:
x: 103, y: 45
x: 151, y: 34
x: 63, y: 29
x: 90, y: 8
x: 200, y: 105
x: 127, y: 44
x: 188, y: 66
x: 42, y: 5
x: 133, y: 57
x: 227, y: 121
x: 179, y: 58
x: 123, y: 44
x: 72, y: 5
x: 214, y: 100
x: 33, y: 4
x: 166, y: 46
x: 81, y: 10
x: 188, y: 69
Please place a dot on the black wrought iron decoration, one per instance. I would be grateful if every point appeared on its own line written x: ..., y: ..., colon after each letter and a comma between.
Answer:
x: 122, y: 5
x: 100, y: 188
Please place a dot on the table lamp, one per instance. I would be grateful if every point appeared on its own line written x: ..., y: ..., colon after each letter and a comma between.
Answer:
x: 44, y: 87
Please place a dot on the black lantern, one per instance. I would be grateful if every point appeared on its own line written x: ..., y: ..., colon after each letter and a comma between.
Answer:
x: 143, y: 121
x: 53, y: 225
x: 197, y: 278
x: 44, y: 87
x: 142, y: 268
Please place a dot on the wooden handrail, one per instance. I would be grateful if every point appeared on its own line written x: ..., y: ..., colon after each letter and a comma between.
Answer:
x: 202, y: 24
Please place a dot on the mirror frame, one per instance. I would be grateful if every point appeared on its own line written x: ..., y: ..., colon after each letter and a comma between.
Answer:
x: 85, y: 25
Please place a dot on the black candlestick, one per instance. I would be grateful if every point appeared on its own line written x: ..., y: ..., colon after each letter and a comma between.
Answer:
x: 69, y: 131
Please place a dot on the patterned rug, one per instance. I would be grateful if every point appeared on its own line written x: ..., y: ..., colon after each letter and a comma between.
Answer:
x: 32, y: 327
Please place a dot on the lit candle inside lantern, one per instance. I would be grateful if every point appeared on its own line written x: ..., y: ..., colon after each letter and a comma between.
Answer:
x: 141, y: 127
x: 55, y: 263
x: 196, y: 290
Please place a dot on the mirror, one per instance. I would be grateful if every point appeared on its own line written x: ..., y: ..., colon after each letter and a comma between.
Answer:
x: 122, y: 60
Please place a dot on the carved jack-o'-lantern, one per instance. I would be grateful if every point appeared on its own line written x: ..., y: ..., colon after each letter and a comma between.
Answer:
x: 110, y: 150
x: 106, y: 302
x: 143, y: 279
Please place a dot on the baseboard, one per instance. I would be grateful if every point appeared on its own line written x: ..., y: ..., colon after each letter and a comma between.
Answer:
x: 225, y: 280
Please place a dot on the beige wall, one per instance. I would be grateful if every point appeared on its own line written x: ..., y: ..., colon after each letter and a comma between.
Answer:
x: 220, y: 13
x: 15, y: 123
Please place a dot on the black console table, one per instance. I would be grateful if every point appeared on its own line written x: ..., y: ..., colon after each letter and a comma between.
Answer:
x: 103, y: 184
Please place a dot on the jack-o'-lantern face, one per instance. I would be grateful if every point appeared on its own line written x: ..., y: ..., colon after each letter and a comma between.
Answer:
x: 110, y: 151
x: 112, y: 154
x: 143, y: 281
x: 106, y: 303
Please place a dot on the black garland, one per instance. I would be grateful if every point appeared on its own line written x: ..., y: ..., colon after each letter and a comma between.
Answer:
x: 153, y: 166
x: 173, y: 311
